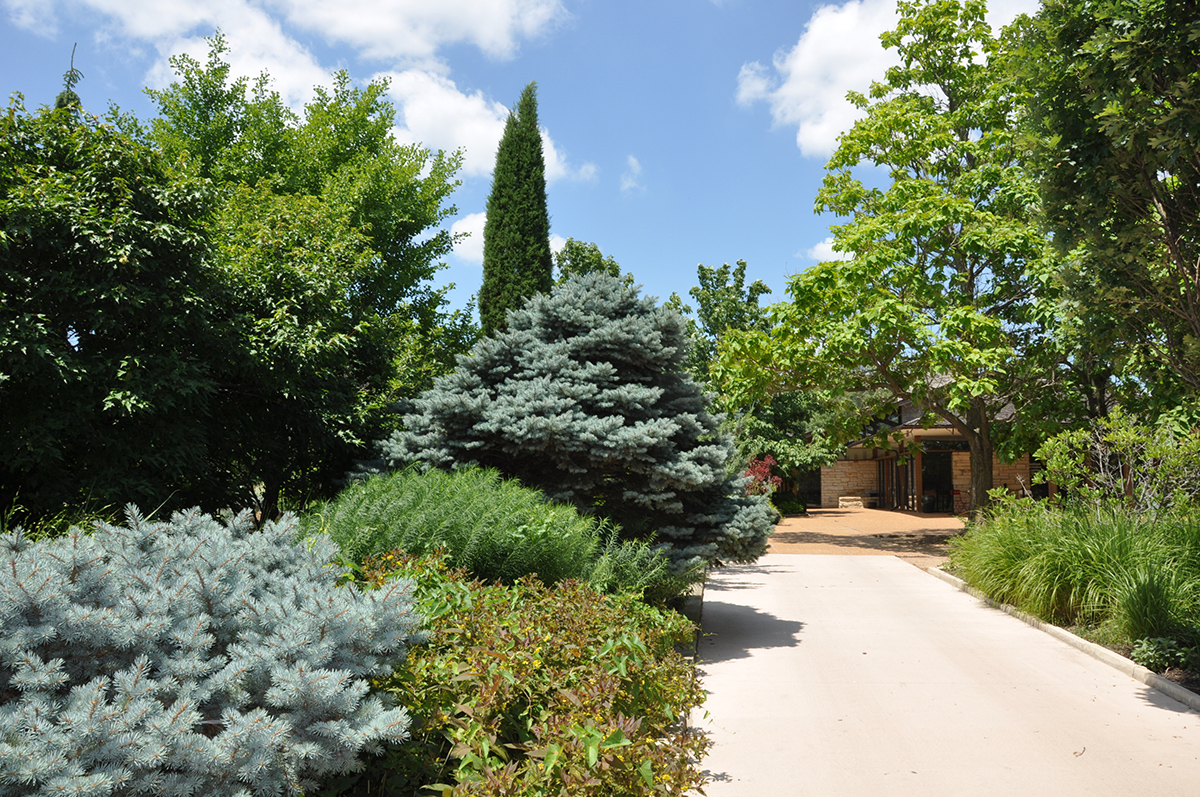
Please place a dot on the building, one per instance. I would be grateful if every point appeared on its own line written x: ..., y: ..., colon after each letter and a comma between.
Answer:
x: 935, y: 478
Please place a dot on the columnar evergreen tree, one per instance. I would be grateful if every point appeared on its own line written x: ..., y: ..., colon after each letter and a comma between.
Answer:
x: 586, y: 397
x: 516, y: 238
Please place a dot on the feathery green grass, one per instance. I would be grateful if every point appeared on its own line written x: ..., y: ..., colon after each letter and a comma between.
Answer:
x: 496, y: 529
x: 1138, y: 575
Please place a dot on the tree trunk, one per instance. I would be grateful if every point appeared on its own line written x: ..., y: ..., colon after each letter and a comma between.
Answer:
x: 980, y: 440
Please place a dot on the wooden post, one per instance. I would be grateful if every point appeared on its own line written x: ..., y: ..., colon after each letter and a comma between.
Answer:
x: 919, y: 486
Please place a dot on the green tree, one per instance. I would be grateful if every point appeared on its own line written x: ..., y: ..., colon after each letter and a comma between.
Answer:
x: 326, y: 241
x: 577, y: 258
x: 106, y: 317
x: 516, y: 236
x: 1116, y: 115
x: 936, y: 305
x: 723, y: 302
x: 585, y: 397
x: 787, y: 426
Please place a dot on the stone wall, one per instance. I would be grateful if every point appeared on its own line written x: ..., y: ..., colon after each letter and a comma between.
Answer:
x: 860, y: 477
x: 848, y: 477
x: 1012, y: 476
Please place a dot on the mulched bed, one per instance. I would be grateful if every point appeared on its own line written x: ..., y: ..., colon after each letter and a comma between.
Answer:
x: 1188, y: 679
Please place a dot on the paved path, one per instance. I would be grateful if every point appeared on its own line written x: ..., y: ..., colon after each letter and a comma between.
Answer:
x: 862, y: 675
x: 918, y: 539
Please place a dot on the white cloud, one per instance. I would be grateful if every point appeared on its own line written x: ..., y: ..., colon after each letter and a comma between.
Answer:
x: 433, y: 110
x: 629, y: 180
x: 557, y: 166
x: 409, y: 31
x: 470, y: 249
x: 438, y: 115
x: 824, y: 252
x: 36, y: 16
x: 557, y: 242
x: 838, y: 52
x: 414, y: 30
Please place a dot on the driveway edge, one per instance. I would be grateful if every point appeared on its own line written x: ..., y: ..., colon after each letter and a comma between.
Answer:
x: 1098, y: 652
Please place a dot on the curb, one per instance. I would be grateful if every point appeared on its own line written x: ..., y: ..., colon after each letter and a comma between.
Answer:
x: 1097, y: 652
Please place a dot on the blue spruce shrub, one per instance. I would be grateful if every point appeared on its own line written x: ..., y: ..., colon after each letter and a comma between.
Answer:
x: 189, y: 657
x: 585, y: 396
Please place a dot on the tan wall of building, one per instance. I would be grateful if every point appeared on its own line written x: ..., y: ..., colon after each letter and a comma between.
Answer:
x: 848, y: 477
x: 860, y: 477
x: 1011, y: 475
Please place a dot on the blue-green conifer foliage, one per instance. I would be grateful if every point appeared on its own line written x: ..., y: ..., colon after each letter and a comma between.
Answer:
x: 190, y: 657
x: 586, y: 397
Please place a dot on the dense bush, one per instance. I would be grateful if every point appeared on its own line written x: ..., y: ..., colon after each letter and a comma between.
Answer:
x: 1120, y: 459
x: 1094, y: 565
x: 535, y: 690
x: 494, y: 528
x: 105, y: 315
x: 586, y: 398
x: 190, y: 657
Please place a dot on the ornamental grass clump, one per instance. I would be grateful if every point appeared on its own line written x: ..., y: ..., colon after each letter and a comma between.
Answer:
x: 1099, y: 565
x: 190, y: 657
x: 528, y: 689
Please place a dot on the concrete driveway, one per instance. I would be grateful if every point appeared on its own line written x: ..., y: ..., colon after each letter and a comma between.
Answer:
x: 862, y: 675
x: 921, y: 540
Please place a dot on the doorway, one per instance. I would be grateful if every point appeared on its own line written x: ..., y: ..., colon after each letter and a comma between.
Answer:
x: 937, y: 482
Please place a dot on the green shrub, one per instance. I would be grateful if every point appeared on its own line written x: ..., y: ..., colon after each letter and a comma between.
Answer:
x: 1158, y: 653
x: 1088, y: 565
x: 493, y: 528
x: 528, y: 689
x: 190, y: 657
x: 786, y: 504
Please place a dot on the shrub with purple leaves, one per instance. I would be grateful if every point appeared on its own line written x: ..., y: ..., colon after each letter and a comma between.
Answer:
x: 190, y: 657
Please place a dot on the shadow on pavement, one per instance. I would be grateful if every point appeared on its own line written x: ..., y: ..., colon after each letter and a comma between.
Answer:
x: 740, y: 577
x: 899, y: 543
x: 731, y: 631
x: 1160, y: 700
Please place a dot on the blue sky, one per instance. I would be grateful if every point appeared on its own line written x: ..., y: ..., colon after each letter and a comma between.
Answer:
x: 677, y: 132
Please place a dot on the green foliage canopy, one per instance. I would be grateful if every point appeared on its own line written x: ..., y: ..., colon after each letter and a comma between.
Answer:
x: 106, y: 316
x: 577, y: 258
x: 218, y: 308
x: 326, y: 242
x: 788, y: 426
x: 935, y: 304
x: 1116, y: 117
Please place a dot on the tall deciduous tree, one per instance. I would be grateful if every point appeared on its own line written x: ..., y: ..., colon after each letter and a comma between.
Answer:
x: 577, y: 258
x: 1117, y: 112
x: 106, y: 317
x: 585, y: 397
x: 517, y: 262
x: 325, y: 241
x: 935, y: 306
x: 723, y: 302
x: 786, y: 425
